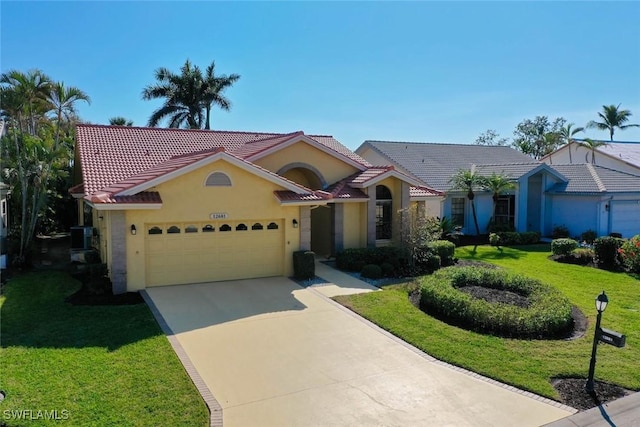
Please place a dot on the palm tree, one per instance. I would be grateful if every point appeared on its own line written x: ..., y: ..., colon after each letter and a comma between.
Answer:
x: 496, y: 184
x: 212, y: 90
x: 566, y: 133
x: 188, y: 95
x: 591, y: 144
x: 120, y: 121
x: 467, y: 180
x: 30, y: 90
x: 63, y: 100
x: 612, y: 118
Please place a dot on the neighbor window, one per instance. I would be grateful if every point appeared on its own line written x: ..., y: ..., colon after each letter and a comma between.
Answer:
x: 505, y: 211
x: 384, y: 205
x: 457, y: 211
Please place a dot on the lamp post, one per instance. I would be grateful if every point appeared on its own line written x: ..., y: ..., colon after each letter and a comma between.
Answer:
x: 601, y: 305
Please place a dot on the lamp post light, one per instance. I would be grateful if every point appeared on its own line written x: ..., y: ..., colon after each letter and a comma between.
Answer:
x: 601, y: 305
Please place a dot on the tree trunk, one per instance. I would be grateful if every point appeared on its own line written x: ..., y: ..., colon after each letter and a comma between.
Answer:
x: 475, y: 217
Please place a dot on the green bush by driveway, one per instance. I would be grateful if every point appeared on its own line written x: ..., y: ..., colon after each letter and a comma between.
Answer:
x: 107, y: 365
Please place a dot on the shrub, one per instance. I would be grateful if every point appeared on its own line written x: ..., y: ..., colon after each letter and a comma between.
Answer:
x: 388, y: 270
x: 583, y: 256
x: 304, y: 265
x: 630, y: 254
x: 445, y: 250
x: 512, y: 238
x: 426, y: 260
x: 547, y: 316
x: 560, y: 232
x: 589, y: 236
x: 606, y: 252
x: 371, y: 271
x: 530, y: 237
x: 494, y: 239
x: 563, y: 247
x: 356, y: 259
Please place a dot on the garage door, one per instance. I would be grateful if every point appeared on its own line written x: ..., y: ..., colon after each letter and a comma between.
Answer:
x: 625, y: 218
x: 179, y: 253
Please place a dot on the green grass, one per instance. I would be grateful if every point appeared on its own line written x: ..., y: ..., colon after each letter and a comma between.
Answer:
x: 527, y: 364
x: 108, y: 365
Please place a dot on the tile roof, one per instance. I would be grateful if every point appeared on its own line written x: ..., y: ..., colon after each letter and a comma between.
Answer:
x: 514, y: 170
x: 424, y: 192
x: 434, y: 164
x: 341, y: 190
x: 286, y: 196
x: 144, y: 197
x: 111, y: 154
x: 592, y: 179
x: 626, y: 151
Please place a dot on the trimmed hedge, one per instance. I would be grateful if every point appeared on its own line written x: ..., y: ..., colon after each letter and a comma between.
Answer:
x: 606, y: 252
x: 304, y: 265
x: 548, y: 316
x: 445, y: 250
x: 563, y: 247
x: 356, y: 259
x: 371, y: 271
x: 630, y: 253
x: 512, y: 238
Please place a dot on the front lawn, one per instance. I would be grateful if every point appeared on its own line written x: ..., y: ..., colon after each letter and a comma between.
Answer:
x: 107, y: 365
x: 527, y: 364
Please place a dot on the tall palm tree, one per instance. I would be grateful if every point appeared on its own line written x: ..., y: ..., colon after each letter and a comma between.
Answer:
x: 120, y: 121
x: 591, y: 145
x: 566, y: 133
x: 468, y: 180
x: 188, y: 95
x: 30, y: 90
x: 212, y: 89
x: 612, y: 118
x: 63, y: 99
x: 496, y: 184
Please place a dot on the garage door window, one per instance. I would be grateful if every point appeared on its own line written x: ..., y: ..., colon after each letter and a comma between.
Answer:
x: 225, y: 227
x: 272, y: 226
x: 191, y: 229
x: 208, y: 228
x: 257, y: 226
x: 155, y: 230
x: 173, y: 230
x: 241, y: 227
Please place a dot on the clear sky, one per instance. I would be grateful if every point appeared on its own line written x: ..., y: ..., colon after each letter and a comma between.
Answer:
x: 415, y: 71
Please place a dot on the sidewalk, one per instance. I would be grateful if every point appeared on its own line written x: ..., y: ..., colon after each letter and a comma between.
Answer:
x: 621, y: 413
x: 339, y: 283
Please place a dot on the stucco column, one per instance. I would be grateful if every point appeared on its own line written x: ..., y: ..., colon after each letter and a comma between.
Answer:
x: 80, y: 212
x: 118, y: 252
x: 338, y: 227
x: 305, y: 228
x: 371, y: 217
x: 405, y: 216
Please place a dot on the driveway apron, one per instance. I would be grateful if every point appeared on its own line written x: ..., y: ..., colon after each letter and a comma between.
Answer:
x: 276, y: 354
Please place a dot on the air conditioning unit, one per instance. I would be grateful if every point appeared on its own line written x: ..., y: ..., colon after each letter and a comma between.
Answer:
x: 81, y: 238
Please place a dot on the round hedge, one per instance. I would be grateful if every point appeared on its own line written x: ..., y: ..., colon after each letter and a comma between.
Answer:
x: 547, y: 316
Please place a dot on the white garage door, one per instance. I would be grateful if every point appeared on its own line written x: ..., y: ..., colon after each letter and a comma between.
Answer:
x: 179, y: 253
x: 625, y: 218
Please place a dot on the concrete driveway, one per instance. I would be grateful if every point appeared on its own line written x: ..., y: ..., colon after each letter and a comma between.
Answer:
x: 275, y: 354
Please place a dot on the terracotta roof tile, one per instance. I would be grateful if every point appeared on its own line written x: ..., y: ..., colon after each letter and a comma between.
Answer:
x: 113, y: 154
x: 424, y: 192
x: 144, y: 197
x: 290, y: 196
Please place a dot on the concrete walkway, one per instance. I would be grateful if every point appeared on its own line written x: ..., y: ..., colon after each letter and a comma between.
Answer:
x: 622, y: 412
x: 273, y: 354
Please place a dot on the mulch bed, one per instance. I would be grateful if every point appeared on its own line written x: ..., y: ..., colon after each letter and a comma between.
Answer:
x: 84, y: 297
x: 496, y: 295
x: 572, y: 392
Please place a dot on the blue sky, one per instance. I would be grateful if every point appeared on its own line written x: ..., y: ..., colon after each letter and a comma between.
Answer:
x: 415, y: 71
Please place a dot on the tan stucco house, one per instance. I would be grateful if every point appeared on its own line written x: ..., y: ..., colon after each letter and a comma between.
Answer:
x: 176, y: 206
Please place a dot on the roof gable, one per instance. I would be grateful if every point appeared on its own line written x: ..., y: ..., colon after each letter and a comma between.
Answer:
x: 594, y: 179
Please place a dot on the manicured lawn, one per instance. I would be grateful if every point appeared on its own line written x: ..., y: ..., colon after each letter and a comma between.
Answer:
x: 107, y: 365
x: 527, y: 364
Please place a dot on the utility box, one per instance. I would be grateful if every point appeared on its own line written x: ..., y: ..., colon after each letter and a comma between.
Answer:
x: 613, y: 338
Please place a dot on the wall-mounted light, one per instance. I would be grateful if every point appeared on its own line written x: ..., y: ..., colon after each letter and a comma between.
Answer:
x: 295, y: 223
x: 133, y: 229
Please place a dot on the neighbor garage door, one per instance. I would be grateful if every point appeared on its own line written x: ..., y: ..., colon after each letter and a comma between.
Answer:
x: 179, y: 253
x: 625, y: 218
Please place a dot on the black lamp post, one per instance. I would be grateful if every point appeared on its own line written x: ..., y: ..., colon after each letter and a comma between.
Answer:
x: 601, y: 305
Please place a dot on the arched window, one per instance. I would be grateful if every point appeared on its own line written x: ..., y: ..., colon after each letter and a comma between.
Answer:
x: 155, y: 230
x: 173, y: 230
x: 272, y: 226
x: 218, y: 179
x: 384, y: 208
x: 241, y: 227
x: 225, y: 227
x: 208, y: 228
x: 257, y: 226
x: 191, y: 229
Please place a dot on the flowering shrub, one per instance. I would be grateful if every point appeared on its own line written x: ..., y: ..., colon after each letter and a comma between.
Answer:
x: 630, y: 253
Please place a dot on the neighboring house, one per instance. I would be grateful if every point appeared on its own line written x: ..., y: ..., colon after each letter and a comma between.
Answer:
x: 174, y: 206
x: 621, y: 156
x: 582, y: 197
